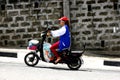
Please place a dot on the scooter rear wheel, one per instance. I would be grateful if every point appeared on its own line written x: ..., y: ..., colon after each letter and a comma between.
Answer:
x: 31, y: 59
x: 75, y: 64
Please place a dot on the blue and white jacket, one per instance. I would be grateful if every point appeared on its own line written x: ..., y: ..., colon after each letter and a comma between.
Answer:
x: 65, y: 38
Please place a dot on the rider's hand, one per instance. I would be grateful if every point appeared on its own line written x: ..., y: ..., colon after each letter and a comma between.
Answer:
x: 48, y: 34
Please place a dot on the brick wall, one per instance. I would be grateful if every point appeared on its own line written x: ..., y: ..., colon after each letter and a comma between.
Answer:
x: 94, y: 22
x: 97, y: 23
x: 21, y: 20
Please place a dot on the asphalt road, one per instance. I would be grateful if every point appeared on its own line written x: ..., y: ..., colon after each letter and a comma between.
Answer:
x: 46, y: 71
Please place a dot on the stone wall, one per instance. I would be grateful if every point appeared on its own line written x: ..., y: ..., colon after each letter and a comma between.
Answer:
x: 21, y: 20
x: 94, y: 22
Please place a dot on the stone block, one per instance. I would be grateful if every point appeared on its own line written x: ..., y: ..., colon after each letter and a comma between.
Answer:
x: 48, y: 23
x: 91, y: 14
x: 14, y: 25
x: 87, y: 32
x: 79, y: 2
x: 25, y: 12
x: 53, y: 16
x: 31, y: 29
x: 30, y: 18
x: 114, y: 0
x: 40, y: 28
x: 5, y: 37
x: 27, y: 36
x: 36, y: 11
x: 3, y: 13
x: 18, y: 6
x: 11, y: 43
x: 114, y: 24
x: 52, y: 4
x: 96, y: 7
x: 42, y: 17
x: 102, y: 1
x: 108, y: 6
x: 115, y: 48
x: 115, y: 36
x: 46, y: 11
x: 37, y: 35
x: 109, y: 31
x: 104, y: 37
x: 118, y: 42
x: 88, y: 44
x: 97, y: 19
x: 92, y: 37
x: 75, y: 33
x: 115, y: 12
x: 83, y: 38
x: 1, y: 19
x: 42, y: 4
x: 74, y: 21
x: 21, y: 42
x: 37, y: 23
x: 24, y: 0
x: 91, y: 25
x: 3, y: 1
x: 86, y: 20
x: 25, y: 24
x: 10, y: 31
x: 8, y: 19
x: 29, y: 5
x: 103, y: 13
x: 1, y: 43
x: 20, y: 30
x: 74, y: 9
x: 13, y: 13
x: 80, y: 14
x: 97, y: 44
x: 103, y: 25
x: 9, y: 7
x: 16, y: 36
x: 97, y: 32
x: 108, y: 19
x: 3, y: 7
x: 117, y: 18
x: 57, y: 10
x: 4, y: 25
x: 13, y: 1
x: 1, y: 31
x: 91, y: 2
x: 19, y: 19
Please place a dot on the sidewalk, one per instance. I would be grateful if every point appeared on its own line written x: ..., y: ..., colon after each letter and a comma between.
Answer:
x: 90, y: 61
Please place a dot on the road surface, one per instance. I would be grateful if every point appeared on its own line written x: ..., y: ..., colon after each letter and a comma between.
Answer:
x: 47, y: 71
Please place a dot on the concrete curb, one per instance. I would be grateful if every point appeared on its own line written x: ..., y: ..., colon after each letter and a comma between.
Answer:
x: 111, y: 63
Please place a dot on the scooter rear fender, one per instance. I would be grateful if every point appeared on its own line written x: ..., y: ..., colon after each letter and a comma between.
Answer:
x: 76, y: 53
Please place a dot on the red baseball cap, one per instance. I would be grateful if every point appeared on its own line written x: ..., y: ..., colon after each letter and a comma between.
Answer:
x: 64, y: 18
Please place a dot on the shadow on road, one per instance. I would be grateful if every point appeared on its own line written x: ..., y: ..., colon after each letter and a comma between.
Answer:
x: 60, y: 68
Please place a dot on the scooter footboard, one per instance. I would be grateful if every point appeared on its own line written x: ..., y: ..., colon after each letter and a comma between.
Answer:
x: 76, y: 53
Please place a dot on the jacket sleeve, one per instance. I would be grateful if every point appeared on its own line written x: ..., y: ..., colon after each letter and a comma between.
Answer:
x: 58, y: 32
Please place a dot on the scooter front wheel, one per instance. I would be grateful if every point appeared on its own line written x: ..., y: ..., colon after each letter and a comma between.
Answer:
x: 75, y: 64
x: 31, y: 59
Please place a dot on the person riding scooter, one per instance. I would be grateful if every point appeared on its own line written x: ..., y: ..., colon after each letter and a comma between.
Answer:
x: 65, y: 38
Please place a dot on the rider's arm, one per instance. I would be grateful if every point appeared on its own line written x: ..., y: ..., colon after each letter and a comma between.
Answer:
x: 58, y: 32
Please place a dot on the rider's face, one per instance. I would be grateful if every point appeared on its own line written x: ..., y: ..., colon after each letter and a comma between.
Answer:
x: 62, y: 23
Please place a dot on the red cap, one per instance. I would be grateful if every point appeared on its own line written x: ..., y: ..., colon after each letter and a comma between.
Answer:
x: 64, y: 18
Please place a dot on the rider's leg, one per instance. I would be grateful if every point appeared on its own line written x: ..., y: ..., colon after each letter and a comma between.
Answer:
x: 53, y: 49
